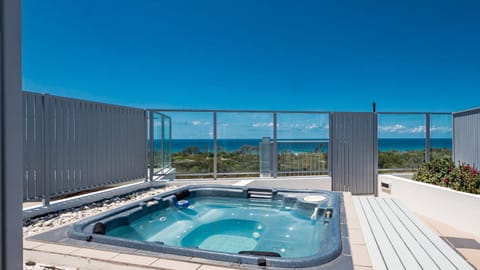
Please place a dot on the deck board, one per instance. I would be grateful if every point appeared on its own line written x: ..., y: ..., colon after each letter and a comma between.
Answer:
x: 385, y: 246
x: 375, y: 254
x: 396, y: 239
x: 405, y: 255
x: 458, y: 261
x: 421, y: 255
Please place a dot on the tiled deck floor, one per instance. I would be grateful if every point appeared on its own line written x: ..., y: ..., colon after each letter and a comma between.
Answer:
x: 466, y: 244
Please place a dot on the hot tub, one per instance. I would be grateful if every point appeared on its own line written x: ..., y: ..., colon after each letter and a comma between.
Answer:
x: 282, y: 228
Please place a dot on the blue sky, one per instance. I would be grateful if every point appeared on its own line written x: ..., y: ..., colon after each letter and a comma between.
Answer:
x: 199, y: 125
x: 278, y: 55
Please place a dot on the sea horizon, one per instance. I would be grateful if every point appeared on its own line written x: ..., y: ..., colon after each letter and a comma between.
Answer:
x: 303, y: 145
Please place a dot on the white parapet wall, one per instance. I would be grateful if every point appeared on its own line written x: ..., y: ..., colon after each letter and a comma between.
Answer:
x: 457, y: 209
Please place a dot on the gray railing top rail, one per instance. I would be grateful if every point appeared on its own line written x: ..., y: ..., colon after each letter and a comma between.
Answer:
x: 83, y: 100
x: 474, y: 110
x: 240, y: 111
x: 283, y: 111
x: 159, y: 113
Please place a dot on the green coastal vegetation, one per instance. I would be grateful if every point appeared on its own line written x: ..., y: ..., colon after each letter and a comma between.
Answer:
x: 409, y: 159
x: 444, y: 172
x: 193, y: 160
x: 246, y: 159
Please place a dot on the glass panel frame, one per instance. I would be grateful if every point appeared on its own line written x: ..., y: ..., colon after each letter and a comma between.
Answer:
x: 192, y: 144
x: 302, y: 144
x: 239, y: 135
x: 441, y: 136
x: 401, y: 141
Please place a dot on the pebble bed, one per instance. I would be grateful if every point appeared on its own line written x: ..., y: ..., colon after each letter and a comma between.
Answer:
x: 50, y: 221
x: 54, y: 220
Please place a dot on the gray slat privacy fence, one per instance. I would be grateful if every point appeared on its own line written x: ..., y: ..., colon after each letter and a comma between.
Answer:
x: 466, y: 137
x: 353, y: 153
x: 73, y: 145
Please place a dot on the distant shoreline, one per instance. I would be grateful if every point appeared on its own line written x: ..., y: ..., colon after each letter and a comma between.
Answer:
x: 296, y: 146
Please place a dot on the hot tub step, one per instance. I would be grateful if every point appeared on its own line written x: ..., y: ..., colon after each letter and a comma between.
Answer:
x: 260, y: 195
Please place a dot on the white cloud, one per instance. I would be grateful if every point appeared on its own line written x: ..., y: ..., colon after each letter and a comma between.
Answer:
x: 419, y: 129
x: 397, y: 128
x: 199, y: 123
x: 312, y: 126
x: 306, y: 126
x: 413, y: 130
x: 440, y: 129
x: 394, y: 128
x: 269, y: 124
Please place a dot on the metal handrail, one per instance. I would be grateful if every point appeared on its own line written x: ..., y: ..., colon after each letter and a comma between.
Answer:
x: 280, y: 111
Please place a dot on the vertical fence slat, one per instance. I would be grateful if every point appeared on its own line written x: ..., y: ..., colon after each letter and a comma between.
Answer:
x: 115, y: 144
x: 83, y: 144
x: 48, y: 137
x: 115, y: 157
x: 101, y: 146
x: 39, y: 147
x: 68, y: 145
x: 73, y: 146
x: 106, y: 139
x: 138, y: 150
x: 52, y: 143
x: 125, y: 141
x: 89, y: 123
x: 64, y: 145
x: 130, y: 143
x: 108, y: 146
x: 126, y: 122
x: 25, y: 153
x: 59, y: 144
x: 56, y: 153
x: 98, y: 144
x: 142, y: 152
x: 32, y: 162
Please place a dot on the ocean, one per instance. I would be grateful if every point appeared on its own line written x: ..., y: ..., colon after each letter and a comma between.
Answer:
x: 297, y: 146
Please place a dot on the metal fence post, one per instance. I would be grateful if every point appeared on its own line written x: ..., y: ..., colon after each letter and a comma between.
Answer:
x: 453, y: 138
x: 11, y: 146
x: 427, y: 137
x: 147, y: 145
x: 275, y: 152
x: 151, y: 163
x: 330, y: 143
x: 163, y: 143
x: 375, y: 152
x: 215, y: 145
x: 170, y: 143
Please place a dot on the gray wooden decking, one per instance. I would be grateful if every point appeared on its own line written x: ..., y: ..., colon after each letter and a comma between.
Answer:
x: 396, y: 239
